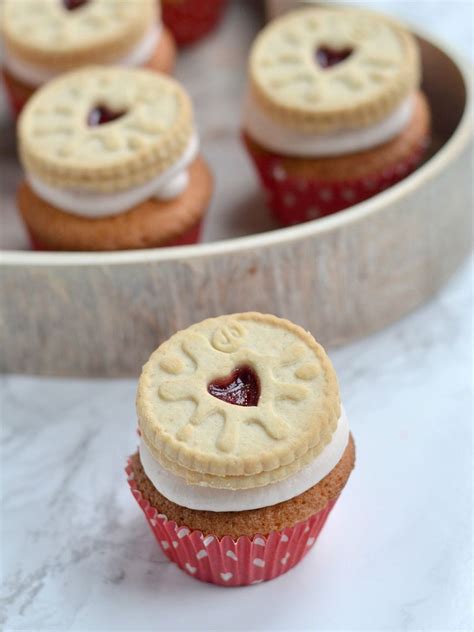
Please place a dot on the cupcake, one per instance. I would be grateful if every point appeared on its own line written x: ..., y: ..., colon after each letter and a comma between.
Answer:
x: 112, y: 162
x: 43, y: 38
x: 244, y: 447
x: 190, y: 20
x: 333, y: 112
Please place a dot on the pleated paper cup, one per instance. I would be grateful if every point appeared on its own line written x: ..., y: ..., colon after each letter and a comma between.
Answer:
x: 295, y: 198
x: 189, y: 20
x: 225, y: 561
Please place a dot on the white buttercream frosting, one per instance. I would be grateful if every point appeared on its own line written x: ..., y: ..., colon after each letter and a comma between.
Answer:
x: 181, y: 493
x: 274, y: 136
x: 167, y: 185
x: 35, y: 75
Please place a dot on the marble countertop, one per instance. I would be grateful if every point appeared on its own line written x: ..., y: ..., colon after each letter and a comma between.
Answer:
x: 396, y: 553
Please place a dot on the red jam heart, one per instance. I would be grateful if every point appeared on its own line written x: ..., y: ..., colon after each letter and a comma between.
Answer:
x: 101, y: 114
x: 328, y: 57
x: 71, y: 5
x: 241, y: 387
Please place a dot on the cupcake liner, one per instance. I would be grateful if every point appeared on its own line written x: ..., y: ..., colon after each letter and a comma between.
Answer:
x: 16, y: 96
x: 190, y: 20
x: 192, y: 236
x: 225, y: 561
x: 296, y: 199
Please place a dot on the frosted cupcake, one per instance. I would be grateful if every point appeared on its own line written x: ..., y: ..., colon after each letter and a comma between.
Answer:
x: 333, y: 112
x: 111, y: 159
x: 43, y: 38
x: 245, y: 447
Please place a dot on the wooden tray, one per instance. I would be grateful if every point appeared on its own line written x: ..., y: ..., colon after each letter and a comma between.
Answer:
x: 342, y: 277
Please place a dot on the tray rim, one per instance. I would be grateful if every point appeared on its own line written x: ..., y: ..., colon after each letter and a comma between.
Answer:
x: 453, y: 146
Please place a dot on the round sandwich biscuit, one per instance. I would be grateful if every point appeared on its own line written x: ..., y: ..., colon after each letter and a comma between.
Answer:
x: 325, y: 69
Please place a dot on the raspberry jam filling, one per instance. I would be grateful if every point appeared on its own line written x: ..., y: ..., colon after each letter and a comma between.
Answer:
x: 71, y: 5
x: 101, y: 114
x: 241, y: 387
x: 327, y: 57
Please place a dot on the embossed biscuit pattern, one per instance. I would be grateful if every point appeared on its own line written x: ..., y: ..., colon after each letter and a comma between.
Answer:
x: 57, y: 144
x: 287, y: 80
x: 44, y: 33
x: 184, y: 424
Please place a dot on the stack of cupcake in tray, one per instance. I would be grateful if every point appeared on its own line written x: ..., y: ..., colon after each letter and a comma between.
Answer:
x: 110, y: 151
x: 244, y: 448
x: 332, y: 115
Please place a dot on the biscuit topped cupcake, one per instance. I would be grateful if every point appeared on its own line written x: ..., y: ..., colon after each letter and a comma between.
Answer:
x: 333, y: 112
x: 43, y: 38
x: 244, y: 447
x: 112, y: 162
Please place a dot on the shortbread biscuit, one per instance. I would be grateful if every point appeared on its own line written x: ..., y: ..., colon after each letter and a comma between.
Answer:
x: 45, y: 33
x: 58, y: 144
x: 379, y: 67
x: 245, y: 482
x: 295, y: 398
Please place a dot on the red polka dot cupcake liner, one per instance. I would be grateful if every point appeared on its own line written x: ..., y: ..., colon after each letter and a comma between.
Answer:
x: 225, y: 561
x: 189, y: 238
x: 296, y: 199
x: 189, y: 20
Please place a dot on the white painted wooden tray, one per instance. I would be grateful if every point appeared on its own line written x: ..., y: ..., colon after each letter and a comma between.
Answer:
x: 342, y: 277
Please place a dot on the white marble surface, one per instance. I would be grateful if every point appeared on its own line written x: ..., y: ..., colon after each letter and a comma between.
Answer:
x: 396, y: 553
